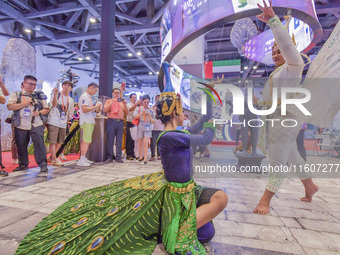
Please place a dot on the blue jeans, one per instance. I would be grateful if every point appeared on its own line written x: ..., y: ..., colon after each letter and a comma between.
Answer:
x: 114, y: 129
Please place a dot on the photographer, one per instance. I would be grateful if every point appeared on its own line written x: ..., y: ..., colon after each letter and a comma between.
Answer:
x: 30, y: 108
x: 61, y: 106
x: 116, y: 109
x: 87, y: 121
x: 3, y: 92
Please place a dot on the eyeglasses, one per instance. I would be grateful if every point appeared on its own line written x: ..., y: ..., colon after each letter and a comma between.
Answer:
x: 32, y: 84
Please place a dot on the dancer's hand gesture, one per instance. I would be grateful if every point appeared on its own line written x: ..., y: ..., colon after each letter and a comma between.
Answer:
x: 267, y: 12
x: 218, y: 81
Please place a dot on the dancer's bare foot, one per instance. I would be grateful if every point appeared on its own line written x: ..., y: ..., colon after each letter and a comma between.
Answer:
x: 262, y: 207
x: 310, y: 191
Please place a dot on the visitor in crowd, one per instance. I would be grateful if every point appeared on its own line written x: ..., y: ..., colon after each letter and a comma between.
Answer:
x: 130, y: 143
x: 14, y: 149
x: 186, y: 122
x: 3, y: 92
x: 146, y: 118
x: 86, y: 121
x: 117, y: 110
x: 61, y: 106
x: 30, y: 107
x: 194, y: 120
x: 158, y: 127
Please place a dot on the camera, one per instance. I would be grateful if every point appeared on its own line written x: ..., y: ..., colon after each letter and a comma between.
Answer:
x: 38, y: 94
x: 120, y: 99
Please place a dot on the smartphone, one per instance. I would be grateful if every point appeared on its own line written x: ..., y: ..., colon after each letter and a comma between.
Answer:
x: 120, y: 99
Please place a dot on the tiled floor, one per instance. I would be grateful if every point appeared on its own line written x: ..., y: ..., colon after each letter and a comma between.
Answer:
x: 292, y: 227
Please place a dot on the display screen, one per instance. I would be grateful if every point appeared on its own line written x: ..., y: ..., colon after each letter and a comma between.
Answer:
x: 259, y: 48
x: 184, y: 17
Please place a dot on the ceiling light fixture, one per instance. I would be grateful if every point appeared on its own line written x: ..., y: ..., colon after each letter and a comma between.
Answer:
x: 80, y: 59
x: 93, y: 20
x: 130, y: 54
x: 245, y: 68
x: 139, y: 53
x: 87, y: 57
x: 150, y: 73
x: 28, y: 30
x: 157, y: 72
x: 254, y: 67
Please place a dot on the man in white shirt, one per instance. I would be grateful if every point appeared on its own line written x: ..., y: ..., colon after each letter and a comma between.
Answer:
x: 130, y: 143
x: 87, y: 121
x: 186, y: 122
x: 31, y: 107
x: 61, y: 106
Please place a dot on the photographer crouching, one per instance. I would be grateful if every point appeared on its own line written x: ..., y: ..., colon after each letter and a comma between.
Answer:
x: 29, y: 115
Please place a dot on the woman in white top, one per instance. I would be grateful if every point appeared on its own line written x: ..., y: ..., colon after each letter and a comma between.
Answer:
x: 281, y: 141
x: 146, y: 118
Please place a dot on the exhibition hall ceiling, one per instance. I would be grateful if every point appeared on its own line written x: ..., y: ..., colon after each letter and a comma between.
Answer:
x: 69, y: 31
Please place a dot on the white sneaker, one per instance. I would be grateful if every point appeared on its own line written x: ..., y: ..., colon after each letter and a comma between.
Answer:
x: 15, y: 162
x: 88, y: 161
x: 62, y: 157
x: 83, y: 163
x: 57, y: 163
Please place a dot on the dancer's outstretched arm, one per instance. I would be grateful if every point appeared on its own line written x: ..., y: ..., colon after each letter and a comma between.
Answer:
x: 281, y: 35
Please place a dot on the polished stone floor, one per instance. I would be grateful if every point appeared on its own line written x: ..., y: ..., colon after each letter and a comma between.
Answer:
x: 292, y: 227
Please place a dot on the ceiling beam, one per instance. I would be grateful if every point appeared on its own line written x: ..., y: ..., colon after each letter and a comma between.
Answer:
x: 65, y: 8
x: 72, y: 18
x: 139, y: 46
x: 95, y: 34
x: 55, y: 25
x: 160, y: 13
x: 91, y: 8
x: 15, y: 14
x: 137, y: 8
x: 85, y: 24
x: 138, y: 39
x: 127, y: 43
x: 324, y: 9
x: 138, y: 21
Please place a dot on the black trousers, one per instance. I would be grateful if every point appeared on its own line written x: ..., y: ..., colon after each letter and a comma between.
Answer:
x: 154, y: 137
x: 130, y: 143
x: 22, y: 138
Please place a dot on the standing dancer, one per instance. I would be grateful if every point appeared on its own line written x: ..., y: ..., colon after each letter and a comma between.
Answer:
x: 282, y: 148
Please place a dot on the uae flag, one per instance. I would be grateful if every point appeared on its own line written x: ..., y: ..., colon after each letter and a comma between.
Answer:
x: 230, y: 68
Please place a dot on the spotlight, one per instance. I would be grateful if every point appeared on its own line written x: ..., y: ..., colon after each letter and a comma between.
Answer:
x: 80, y: 59
x: 139, y: 53
x: 254, y: 67
x: 245, y: 68
x: 130, y: 54
x: 136, y: 86
x: 93, y: 20
x: 28, y: 30
x: 150, y: 73
x: 157, y: 73
x: 87, y: 57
